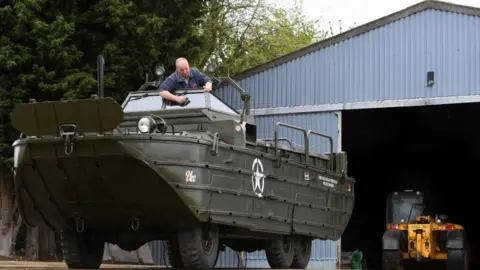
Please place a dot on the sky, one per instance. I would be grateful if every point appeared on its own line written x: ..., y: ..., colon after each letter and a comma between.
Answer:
x: 359, y: 12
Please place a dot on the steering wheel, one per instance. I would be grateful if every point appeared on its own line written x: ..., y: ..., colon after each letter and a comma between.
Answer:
x: 183, y: 92
x: 186, y: 102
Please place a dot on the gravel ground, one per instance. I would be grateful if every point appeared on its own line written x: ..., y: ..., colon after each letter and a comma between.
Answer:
x: 30, y: 265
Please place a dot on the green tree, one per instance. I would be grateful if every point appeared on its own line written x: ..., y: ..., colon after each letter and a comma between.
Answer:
x: 280, y: 32
x: 48, y: 51
x: 242, y: 34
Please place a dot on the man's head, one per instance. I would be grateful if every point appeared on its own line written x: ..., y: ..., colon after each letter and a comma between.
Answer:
x: 182, y: 67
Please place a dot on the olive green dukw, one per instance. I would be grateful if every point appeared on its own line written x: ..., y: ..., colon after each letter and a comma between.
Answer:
x: 194, y: 175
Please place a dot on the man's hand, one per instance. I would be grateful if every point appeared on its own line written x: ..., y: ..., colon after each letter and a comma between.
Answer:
x: 207, y: 87
x: 180, y: 99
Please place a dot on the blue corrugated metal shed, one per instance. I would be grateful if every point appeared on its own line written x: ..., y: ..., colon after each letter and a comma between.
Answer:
x: 387, y: 59
x: 380, y: 64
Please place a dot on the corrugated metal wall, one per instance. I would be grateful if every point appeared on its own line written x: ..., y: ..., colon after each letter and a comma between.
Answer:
x: 324, y: 253
x: 326, y: 123
x: 159, y: 253
x: 387, y: 63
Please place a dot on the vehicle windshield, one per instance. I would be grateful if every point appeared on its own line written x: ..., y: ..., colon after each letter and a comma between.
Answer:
x: 154, y: 102
x: 402, y: 207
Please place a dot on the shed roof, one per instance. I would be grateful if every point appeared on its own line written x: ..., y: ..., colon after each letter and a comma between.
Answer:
x: 424, y: 5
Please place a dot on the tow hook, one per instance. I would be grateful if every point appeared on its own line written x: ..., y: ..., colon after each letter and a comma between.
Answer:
x: 68, y: 132
x: 135, y: 223
x: 79, y: 225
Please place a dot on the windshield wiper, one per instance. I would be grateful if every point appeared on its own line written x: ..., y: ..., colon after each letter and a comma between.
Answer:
x: 139, y: 97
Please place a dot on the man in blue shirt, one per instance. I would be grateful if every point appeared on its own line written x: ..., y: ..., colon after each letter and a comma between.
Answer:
x: 184, y: 77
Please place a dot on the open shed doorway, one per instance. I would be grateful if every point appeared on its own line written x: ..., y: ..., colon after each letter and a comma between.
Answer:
x: 435, y: 148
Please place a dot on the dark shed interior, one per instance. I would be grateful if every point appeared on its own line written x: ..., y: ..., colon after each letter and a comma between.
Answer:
x: 433, y: 148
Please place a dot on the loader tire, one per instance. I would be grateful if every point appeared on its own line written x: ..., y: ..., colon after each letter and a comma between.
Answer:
x: 457, y: 259
x: 199, y: 247
x: 280, y: 252
x: 82, y: 250
x: 392, y: 260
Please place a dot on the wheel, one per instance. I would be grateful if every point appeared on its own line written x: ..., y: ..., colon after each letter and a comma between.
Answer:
x: 303, y: 251
x: 280, y: 252
x: 173, y: 254
x: 82, y: 250
x: 199, y: 247
x: 457, y: 259
x: 392, y: 260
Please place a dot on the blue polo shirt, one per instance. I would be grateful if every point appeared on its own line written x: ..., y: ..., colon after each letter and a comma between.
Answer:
x: 175, y: 81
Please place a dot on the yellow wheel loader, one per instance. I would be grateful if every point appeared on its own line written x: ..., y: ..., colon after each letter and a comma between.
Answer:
x: 412, y: 235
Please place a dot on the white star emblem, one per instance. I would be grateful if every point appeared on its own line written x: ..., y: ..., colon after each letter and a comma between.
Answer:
x: 258, y: 177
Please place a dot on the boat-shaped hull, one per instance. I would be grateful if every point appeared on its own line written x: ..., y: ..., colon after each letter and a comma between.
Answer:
x: 104, y: 181
x: 169, y: 182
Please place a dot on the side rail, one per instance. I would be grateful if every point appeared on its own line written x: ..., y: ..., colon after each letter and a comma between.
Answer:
x: 330, y: 140
x: 279, y: 139
x: 306, y: 136
x: 275, y: 138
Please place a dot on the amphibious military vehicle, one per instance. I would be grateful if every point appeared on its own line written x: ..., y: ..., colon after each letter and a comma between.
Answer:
x: 191, y: 174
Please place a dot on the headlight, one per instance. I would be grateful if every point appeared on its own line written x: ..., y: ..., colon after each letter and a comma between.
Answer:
x: 146, y: 125
x: 159, y: 70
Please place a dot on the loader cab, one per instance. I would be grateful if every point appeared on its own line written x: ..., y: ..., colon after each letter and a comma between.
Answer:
x: 403, y: 206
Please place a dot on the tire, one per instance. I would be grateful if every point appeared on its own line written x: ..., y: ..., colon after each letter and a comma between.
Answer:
x: 392, y: 260
x: 82, y: 250
x: 457, y: 259
x: 280, y: 252
x: 194, y: 252
x: 173, y: 254
x: 303, y: 251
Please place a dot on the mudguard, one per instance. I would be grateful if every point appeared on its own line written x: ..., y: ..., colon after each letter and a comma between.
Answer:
x: 456, y: 239
x: 393, y: 240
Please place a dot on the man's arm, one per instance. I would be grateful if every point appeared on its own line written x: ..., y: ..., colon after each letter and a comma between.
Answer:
x: 165, y: 89
x: 205, y: 80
